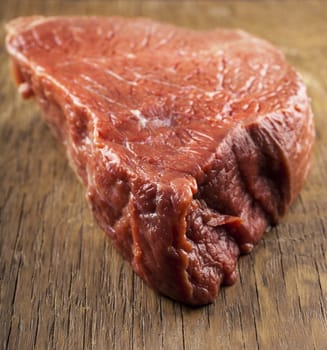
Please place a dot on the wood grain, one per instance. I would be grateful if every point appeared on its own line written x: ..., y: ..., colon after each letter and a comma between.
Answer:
x: 63, y: 286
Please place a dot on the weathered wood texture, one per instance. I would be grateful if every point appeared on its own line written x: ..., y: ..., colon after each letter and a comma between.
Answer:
x: 63, y: 286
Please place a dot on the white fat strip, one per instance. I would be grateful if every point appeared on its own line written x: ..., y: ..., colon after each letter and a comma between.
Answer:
x: 109, y: 155
x: 146, y: 40
x: 211, y: 94
x: 140, y: 117
x: 220, y: 75
x: 158, y: 81
x: 19, y: 24
x: 77, y: 33
x: 130, y: 55
x: 38, y: 40
x: 95, y: 83
x: 218, y: 116
x: 199, y: 136
x: 24, y: 88
x: 249, y: 82
x: 95, y: 92
x: 57, y: 38
x: 96, y: 89
x: 20, y: 40
x: 227, y: 109
x: 164, y: 40
x: 264, y: 70
x: 108, y: 71
x: 119, y: 77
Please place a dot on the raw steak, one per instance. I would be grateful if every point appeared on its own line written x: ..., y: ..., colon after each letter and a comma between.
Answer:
x: 190, y: 144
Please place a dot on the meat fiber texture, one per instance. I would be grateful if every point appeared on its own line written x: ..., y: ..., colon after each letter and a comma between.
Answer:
x: 190, y: 144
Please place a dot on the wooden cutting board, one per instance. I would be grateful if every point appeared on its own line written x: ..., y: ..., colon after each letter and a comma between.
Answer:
x: 63, y: 286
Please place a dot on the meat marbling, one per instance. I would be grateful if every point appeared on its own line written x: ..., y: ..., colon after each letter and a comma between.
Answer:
x: 190, y: 144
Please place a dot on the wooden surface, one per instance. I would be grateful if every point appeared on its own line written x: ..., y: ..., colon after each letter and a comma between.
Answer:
x: 63, y: 286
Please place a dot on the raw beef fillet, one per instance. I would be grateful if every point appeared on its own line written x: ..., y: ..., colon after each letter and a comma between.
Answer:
x: 190, y: 144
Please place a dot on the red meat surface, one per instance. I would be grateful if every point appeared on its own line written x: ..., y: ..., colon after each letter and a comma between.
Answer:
x: 190, y: 144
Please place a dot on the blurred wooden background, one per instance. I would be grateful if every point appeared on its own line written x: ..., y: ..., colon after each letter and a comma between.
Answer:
x: 63, y: 286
